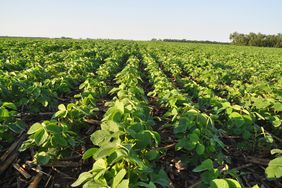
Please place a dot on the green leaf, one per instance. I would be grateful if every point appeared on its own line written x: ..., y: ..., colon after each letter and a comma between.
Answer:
x: 100, y: 164
x: 124, y: 184
x: 105, y: 151
x: 277, y: 107
x: 205, y: 165
x: 276, y: 123
x: 276, y: 151
x: 93, y: 184
x: 42, y: 159
x: 100, y: 136
x: 274, y: 168
x: 225, y: 105
x: 82, y: 178
x: 219, y: 183
x: 160, y: 178
x: 10, y: 105
x: 208, y: 176
x: 62, y: 107
x: 45, y: 103
x: 233, y: 183
x: 200, y: 149
x: 260, y: 103
x: 186, y: 144
x: 27, y: 144
x: 4, y: 113
x: 152, y: 155
x: 117, y: 179
x: 34, y: 128
x: 194, y: 137
x: 59, y: 140
x: 120, y: 106
x: 147, y: 185
x: 143, y: 139
x: 15, y: 127
x: 40, y: 137
x: 182, y: 126
x: 54, y: 128
x: 60, y: 114
x: 236, y: 107
x: 89, y: 153
x: 236, y: 118
x: 110, y: 125
x: 268, y: 138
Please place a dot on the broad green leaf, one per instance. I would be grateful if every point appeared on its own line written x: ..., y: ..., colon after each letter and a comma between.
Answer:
x: 10, y: 105
x: 236, y: 107
x: 124, y: 184
x: 82, y: 178
x: 100, y: 136
x: 219, y: 183
x: 236, y: 118
x: 233, y: 183
x: 260, y: 103
x: 59, y: 140
x: 62, y: 107
x: 182, y: 126
x: 27, y: 144
x: 274, y: 168
x: 277, y: 107
x: 225, y: 105
x: 40, y: 137
x: 4, y: 113
x: 92, y: 184
x: 208, y: 176
x: 100, y: 164
x: 118, y: 178
x: 149, y: 185
x: 120, y: 106
x: 186, y: 144
x: 205, y: 165
x: 42, y: 159
x: 110, y: 125
x: 34, y: 128
x: 194, y: 137
x: 45, y: 103
x: 152, y: 155
x: 143, y: 139
x: 160, y: 178
x: 54, y: 128
x: 60, y: 113
x: 15, y: 127
x: 276, y: 123
x: 89, y: 153
x: 105, y: 151
x: 268, y: 138
x: 200, y: 149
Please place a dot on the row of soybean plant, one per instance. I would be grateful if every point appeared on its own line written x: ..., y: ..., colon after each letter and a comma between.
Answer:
x: 233, y: 118
x: 195, y: 132
x: 31, y: 90
x: 123, y: 149
x: 259, y: 95
x: 55, y: 138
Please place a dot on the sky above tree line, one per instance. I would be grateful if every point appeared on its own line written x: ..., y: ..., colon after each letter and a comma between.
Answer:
x: 139, y: 19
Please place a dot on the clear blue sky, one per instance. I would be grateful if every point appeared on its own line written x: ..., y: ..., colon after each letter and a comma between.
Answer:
x: 139, y: 19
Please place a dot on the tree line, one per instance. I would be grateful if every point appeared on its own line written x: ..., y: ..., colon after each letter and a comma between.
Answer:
x: 256, y: 39
x: 189, y: 41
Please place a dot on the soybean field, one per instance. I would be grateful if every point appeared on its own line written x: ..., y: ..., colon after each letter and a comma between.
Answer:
x: 117, y: 114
